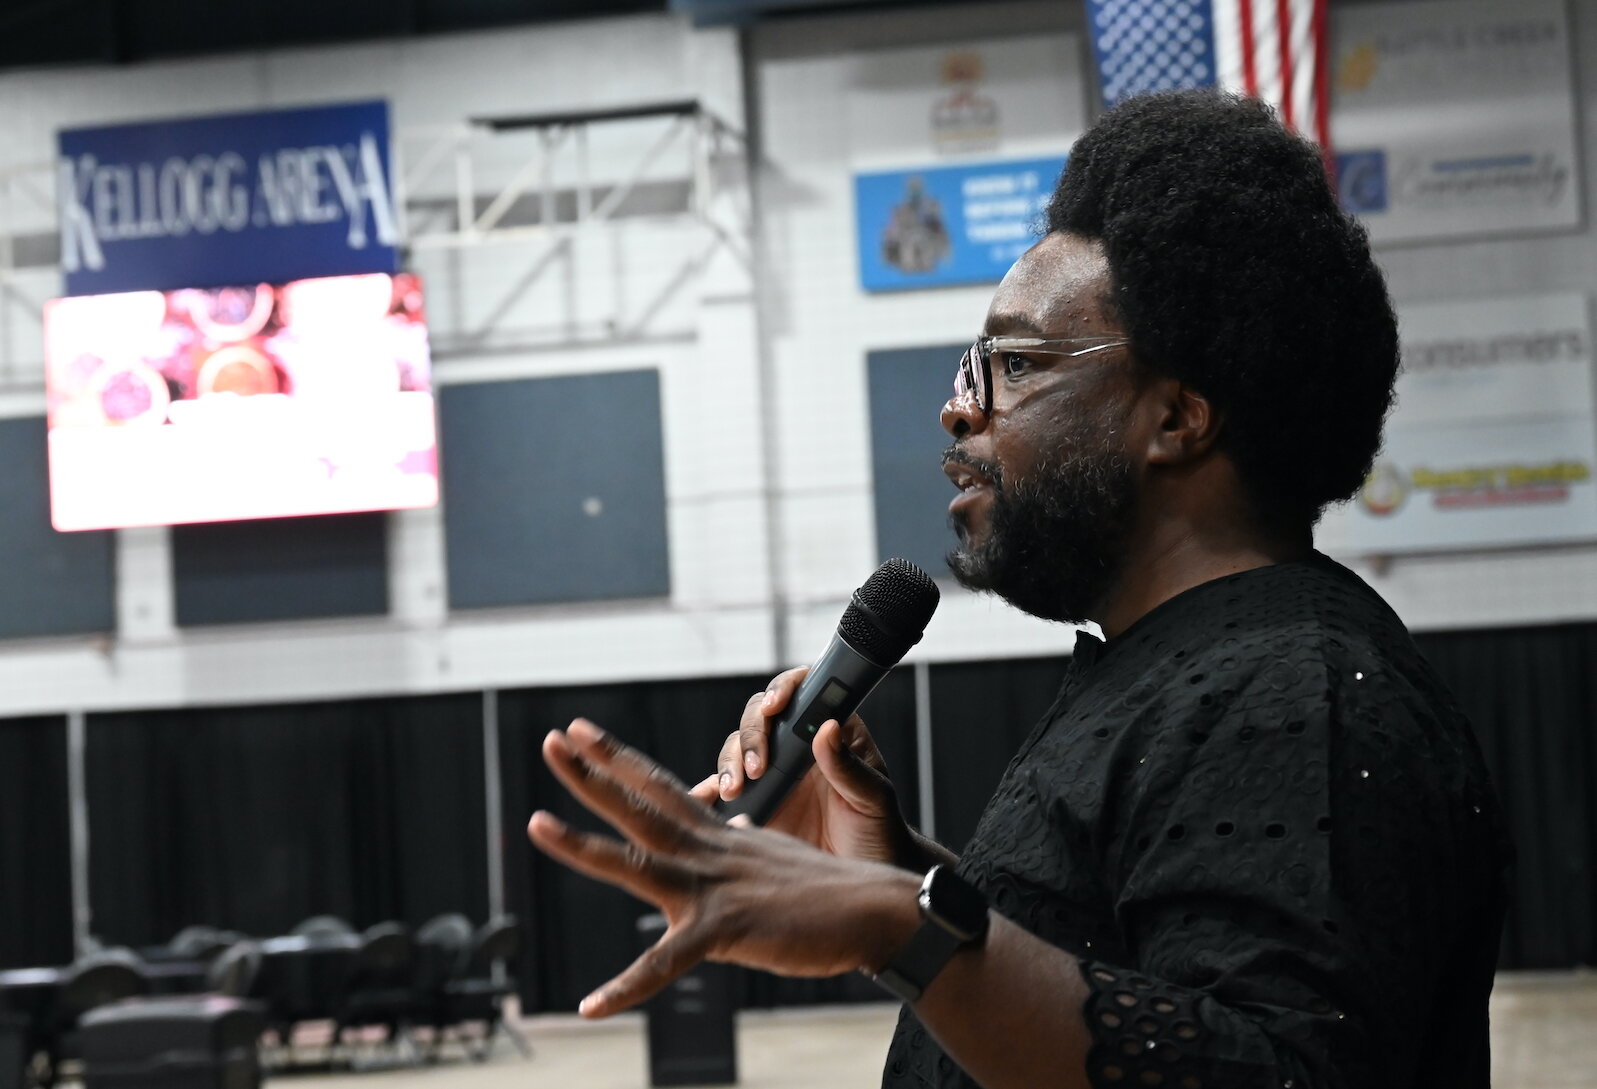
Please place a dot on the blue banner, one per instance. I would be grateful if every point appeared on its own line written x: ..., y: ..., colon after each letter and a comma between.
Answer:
x: 230, y: 199
x: 949, y: 225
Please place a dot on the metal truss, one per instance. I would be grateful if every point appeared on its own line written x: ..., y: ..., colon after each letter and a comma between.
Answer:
x: 533, y: 209
x: 23, y: 188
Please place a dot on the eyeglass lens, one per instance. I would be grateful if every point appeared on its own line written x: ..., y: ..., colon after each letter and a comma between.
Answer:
x: 972, y: 377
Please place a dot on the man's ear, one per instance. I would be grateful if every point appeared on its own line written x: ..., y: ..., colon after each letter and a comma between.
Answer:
x: 1184, y: 423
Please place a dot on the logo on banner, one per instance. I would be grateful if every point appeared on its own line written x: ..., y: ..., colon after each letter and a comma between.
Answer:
x: 1361, y: 180
x: 964, y: 120
x: 1357, y: 68
x: 1385, y: 489
x: 1471, y: 487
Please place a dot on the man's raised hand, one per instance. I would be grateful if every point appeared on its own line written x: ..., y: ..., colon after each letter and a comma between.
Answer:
x: 750, y: 896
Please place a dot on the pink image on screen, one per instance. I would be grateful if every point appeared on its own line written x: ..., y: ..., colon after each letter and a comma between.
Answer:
x: 313, y: 397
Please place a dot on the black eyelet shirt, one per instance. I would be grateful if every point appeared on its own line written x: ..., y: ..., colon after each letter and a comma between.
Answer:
x: 1265, y: 830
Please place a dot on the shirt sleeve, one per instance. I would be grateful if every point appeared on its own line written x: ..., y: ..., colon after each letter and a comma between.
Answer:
x: 1286, y: 882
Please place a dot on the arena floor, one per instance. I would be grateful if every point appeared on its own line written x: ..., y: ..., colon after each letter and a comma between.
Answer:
x: 1544, y: 1036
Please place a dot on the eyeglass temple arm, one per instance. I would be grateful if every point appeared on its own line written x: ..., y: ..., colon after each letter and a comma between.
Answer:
x: 1000, y: 343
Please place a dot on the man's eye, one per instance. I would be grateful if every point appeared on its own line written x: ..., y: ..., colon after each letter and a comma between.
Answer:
x: 1014, y: 363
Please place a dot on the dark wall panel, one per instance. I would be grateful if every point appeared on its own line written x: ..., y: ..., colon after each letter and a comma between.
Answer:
x: 554, y: 490
x: 280, y: 569
x: 35, y: 844
x: 907, y: 389
x: 55, y: 583
x: 253, y: 818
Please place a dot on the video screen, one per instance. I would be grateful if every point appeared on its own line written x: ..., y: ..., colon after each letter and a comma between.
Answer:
x: 312, y: 397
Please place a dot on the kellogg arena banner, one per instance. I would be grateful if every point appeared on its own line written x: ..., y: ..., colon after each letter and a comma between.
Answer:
x: 267, y: 197
x: 1454, y: 118
x: 1492, y: 442
x: 955, y: 153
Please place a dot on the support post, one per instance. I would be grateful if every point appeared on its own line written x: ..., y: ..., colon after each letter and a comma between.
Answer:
x: 78, y: 826
x: 923, y: 749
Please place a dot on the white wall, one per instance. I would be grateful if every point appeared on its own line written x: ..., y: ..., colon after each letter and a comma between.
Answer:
x: 728, y: 392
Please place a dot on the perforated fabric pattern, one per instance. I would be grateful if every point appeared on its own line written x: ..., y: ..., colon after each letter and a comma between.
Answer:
x: 1266, y: 832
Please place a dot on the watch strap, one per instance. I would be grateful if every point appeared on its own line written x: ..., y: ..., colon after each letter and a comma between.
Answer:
x: 954, y: 914
x: 913, y: 967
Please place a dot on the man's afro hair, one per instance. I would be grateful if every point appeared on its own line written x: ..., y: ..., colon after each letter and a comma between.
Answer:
x: 1235, y: 271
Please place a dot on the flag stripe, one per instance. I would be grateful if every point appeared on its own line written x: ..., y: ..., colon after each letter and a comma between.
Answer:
x: 1228, y: 51
x: 1267, y: 51
x: 1284, y: 43
x: 1304, y: 73
x: 1322, y: 79
x: 1250, y: 68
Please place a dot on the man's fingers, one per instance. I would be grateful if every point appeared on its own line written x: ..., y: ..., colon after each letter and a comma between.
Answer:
x: 641, y: 775
x: 707, y: 789
x: 755, y: 727
x: 781, y: 689
x: 639, y: 817
x: 861, y: 785
x: 745, y: 752
x: 859, y: 741
x: 598, y: 857
x: 645, y: 977
x: 729, y: 765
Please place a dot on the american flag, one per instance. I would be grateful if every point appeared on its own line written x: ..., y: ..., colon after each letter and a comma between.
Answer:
x: 1270, y: 49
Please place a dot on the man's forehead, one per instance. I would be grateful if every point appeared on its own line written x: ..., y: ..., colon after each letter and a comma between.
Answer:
x: 1054, y: 289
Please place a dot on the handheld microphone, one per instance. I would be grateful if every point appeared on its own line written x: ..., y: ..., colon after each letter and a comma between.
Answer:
x: 886, y: 617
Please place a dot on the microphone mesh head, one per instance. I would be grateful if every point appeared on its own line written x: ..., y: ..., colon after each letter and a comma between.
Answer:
x: 889, y: 612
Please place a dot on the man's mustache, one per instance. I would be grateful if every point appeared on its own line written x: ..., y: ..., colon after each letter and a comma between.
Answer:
x: 988, y: 469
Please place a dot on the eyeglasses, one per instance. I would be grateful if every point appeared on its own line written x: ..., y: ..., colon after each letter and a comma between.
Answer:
x: 976, y: 365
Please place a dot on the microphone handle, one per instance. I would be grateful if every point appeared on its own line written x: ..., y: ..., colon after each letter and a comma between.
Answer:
x: 837, y: 684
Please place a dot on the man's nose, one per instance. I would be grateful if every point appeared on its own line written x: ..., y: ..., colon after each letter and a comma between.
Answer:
x: 962, y: 416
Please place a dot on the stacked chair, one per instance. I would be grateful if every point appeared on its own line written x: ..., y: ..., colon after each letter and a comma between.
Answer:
x: 475, y: 993
x: 235, y: 969
x: 378, y: 991
x: 443, y: 946
x: 200, y: 942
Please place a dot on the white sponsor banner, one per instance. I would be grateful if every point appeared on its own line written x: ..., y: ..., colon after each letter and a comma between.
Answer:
x: 1454, y: 117
x: 1001, y: 98
x: 1493, y: 442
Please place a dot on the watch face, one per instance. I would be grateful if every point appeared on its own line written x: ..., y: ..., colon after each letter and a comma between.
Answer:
x: 955, y: 903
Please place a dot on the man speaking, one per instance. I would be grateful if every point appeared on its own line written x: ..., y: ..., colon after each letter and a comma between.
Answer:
x: 1252, y: 844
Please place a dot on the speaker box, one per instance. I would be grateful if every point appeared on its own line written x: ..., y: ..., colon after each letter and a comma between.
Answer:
x: 192, y: 1042
x: 692, y: 1023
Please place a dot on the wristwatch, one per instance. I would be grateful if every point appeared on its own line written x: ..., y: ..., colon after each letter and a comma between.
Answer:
x: 954, y: 915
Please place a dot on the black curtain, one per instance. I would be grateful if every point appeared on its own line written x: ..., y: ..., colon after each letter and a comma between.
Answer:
x: 35, y: 844
x: 1532, y: 696
x: 981, y: 712
x: 581, y: 932
x: 253, y: 818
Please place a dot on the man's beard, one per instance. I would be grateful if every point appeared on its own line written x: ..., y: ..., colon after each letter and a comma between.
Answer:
x: 1055, y: 539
